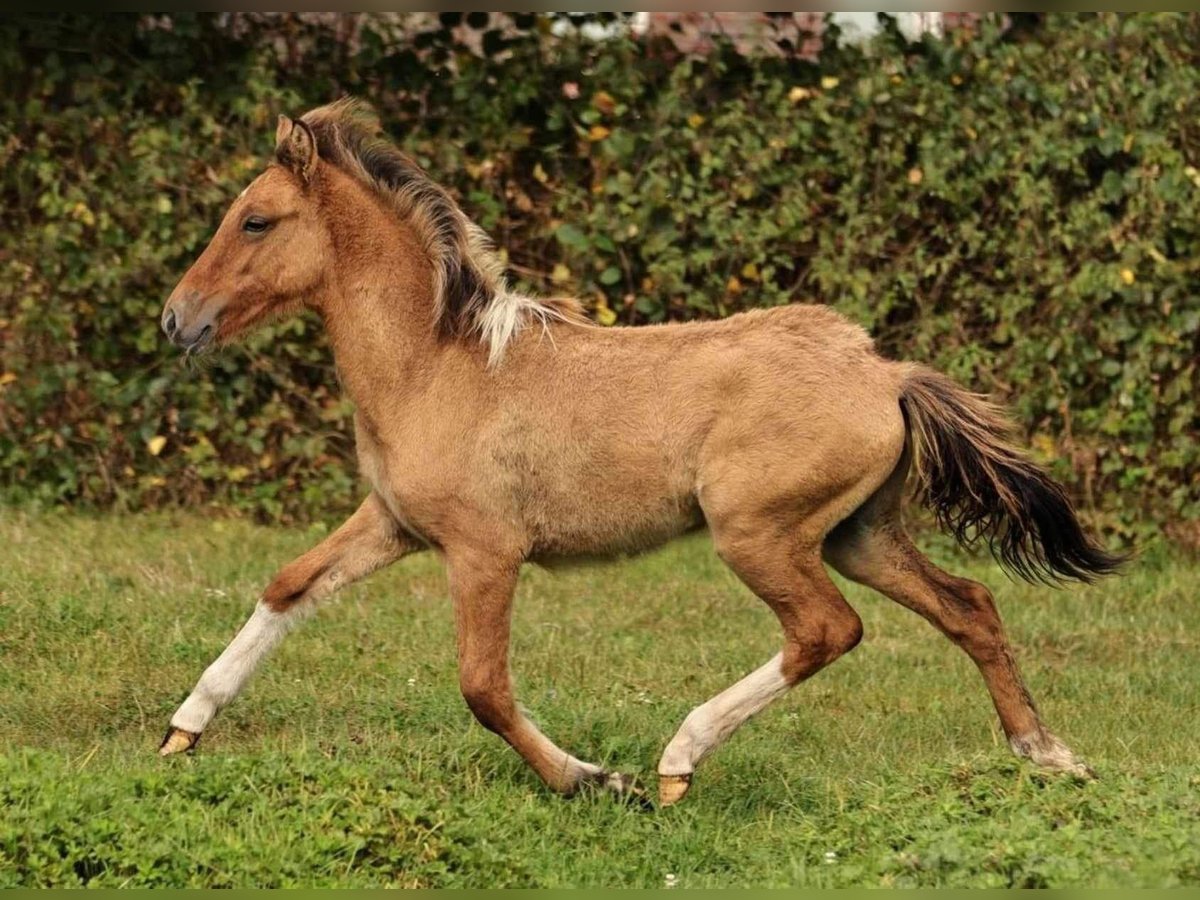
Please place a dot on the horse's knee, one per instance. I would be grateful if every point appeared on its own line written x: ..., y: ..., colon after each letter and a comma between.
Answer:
x: 491, y: 704
x: 821, y: 642
x: 290, y: 586
x: 972, y: 601
x: 849, y: 634
x: 975, y: 620
x: 843, y: 633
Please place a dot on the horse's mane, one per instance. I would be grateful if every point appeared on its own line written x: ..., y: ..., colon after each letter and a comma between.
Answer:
x: 471, y: 295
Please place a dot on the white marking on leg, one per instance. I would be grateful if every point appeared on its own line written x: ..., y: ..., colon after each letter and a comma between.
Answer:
x: 1049, y: 752
x: 225, y: 678
x: 574, y: 771
x: 568, y: 773
x: 710, y: 725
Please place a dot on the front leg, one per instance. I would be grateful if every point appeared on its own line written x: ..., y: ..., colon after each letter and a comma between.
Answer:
x: 482, y: 589
x: 369, y: 540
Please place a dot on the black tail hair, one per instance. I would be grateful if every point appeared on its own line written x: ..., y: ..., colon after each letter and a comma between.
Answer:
x: 980, y: 485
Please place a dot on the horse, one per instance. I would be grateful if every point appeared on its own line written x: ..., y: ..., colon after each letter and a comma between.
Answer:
x: 480, y: 412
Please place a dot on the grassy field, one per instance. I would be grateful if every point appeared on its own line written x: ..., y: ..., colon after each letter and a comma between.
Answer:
x: 351, y: 760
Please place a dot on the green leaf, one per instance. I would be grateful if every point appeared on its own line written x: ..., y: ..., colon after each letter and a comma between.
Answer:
x: 570, y: 236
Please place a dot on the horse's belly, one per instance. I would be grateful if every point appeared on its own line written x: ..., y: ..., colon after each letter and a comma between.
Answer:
x: 613, y: 526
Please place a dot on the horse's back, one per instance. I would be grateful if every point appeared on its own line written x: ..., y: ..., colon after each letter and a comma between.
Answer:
x: 631, y: 427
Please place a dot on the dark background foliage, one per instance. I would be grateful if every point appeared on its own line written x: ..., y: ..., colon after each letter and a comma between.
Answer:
x: 1020, y: 209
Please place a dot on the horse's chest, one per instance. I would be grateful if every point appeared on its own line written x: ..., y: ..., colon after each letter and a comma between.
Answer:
x: 394, y: 479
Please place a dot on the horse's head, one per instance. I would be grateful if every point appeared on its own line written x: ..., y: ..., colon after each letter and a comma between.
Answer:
x: 269, y: 256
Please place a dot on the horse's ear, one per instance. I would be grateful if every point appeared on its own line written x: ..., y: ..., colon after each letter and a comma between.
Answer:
x: 296, y: 147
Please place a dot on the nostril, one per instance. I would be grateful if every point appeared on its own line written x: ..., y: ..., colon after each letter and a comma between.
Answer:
x: 200, y: 341
x: 169, y: 323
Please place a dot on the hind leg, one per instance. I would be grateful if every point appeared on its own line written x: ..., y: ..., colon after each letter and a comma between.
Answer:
x: 873, y: 549
x: 818, y: 627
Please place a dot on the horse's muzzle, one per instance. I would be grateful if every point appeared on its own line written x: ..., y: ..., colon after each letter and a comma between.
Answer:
x: 189, y: 322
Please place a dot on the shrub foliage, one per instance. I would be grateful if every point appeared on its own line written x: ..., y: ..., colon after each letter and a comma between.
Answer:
x: 1020, y: 210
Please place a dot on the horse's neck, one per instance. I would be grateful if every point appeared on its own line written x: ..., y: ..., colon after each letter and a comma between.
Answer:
x: 381, y: 343
x: 379, y: 319
x: 380, y: 306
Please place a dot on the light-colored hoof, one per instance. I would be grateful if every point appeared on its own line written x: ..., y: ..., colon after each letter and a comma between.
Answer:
x: 177, y: 741
x: 627, y: 789
x: 673, y: 788
x: 624, y: 787
x: 1047, y: 752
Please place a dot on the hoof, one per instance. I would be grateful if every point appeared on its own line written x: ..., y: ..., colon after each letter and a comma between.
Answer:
x: 673, y: 788
x: 1049, y: 753
x: 626, y: 788
x: 623, y: 787
x: 177, y: 740
x: 1078, y: 768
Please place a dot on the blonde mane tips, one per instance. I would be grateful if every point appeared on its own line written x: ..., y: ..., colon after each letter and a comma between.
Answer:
x: 500, y: 321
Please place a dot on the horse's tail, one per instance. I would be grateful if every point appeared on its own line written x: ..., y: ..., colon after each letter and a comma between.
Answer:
x: 979, y: 484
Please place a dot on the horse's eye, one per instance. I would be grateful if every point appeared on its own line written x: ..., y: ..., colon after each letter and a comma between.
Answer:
x: 255, y: 225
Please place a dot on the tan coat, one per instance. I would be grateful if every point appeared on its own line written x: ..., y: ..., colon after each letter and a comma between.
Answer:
x: 497, y: 428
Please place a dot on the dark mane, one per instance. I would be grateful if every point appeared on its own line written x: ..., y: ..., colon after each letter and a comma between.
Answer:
x: 467, y: 274
x: 471, y: 296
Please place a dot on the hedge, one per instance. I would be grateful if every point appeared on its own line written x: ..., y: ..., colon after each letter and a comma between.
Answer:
x: 1020, y: 210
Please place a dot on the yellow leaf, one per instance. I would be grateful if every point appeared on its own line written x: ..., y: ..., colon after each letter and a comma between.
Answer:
x: 561, y: 274
x: 1128, y: 145
x: 1044, y: 445
x: 695, y: 120
x: 956, y: 79
x: 1127, y: 276
x: 539, y: 174
x: 971, y: 132
x: 7, y: 378
x: 604, y: 315
x: 81, y: 212
x: 239, y: 473
x: 750, y: 271
x: 265, y: 461
x: 733, y: 286
x: 598, y: 133
x: 829, y: 82
x: 915, y: 175
x: 604, y: 102
x: 155, y: 444
x: 796, y: 94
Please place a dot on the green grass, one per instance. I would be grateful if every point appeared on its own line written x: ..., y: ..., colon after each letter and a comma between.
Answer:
x: 351, y: 759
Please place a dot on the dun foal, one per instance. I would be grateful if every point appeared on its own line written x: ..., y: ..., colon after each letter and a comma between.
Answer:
x: 481, y: 413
